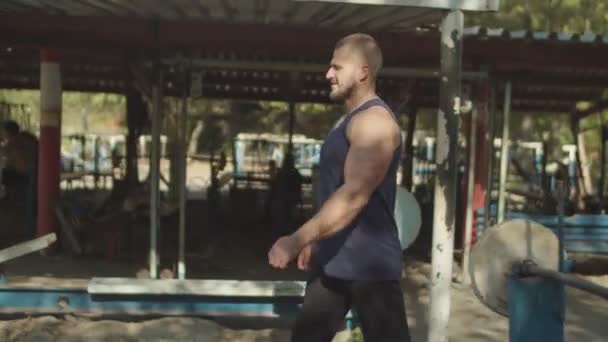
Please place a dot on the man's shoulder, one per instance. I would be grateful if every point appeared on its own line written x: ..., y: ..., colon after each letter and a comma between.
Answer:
x: 375, y: 119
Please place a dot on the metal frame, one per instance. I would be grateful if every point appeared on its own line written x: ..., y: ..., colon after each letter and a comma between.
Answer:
x: 209, y: 63
x: 450, y: 75
x: 464, y: 5
x: 219, y: 299
x: 79, y: 301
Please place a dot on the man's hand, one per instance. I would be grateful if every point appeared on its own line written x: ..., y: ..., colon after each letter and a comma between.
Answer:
x: 284, y: 250
x: 304, y: 258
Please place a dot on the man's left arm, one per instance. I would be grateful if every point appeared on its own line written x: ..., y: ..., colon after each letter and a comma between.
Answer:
x: 373, y: 137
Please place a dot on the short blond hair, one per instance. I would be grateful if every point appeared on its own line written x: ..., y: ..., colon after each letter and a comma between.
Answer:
x: 367, y: 47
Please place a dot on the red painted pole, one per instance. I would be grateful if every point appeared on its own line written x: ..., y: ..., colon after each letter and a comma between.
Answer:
x: 49, y: 159
x: 481, y: 156
x: 482, y: 152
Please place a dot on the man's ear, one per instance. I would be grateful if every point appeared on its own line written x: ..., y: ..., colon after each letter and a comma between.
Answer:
x: 364, y: 73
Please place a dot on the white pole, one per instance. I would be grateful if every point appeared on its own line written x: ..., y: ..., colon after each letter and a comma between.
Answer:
x: 444, y: 213
x: 157, y: 99
x: 504, y: 154
x: 470, y: 191
x: 183, y: 127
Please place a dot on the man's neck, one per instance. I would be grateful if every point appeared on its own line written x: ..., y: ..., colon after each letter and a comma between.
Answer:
x: 358, y: 98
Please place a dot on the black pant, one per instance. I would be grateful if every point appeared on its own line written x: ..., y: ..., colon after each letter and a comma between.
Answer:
x: 378, y: 304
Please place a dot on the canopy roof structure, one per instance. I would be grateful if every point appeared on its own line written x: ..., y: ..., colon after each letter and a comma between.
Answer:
x: 250, y: 49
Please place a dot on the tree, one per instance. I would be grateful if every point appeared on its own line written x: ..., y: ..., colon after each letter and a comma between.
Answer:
x: 574, y: 16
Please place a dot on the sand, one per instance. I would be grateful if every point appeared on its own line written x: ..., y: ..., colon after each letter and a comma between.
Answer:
x: 470, y: 321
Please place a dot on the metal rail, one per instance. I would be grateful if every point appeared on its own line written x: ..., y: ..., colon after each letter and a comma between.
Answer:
x: 528, y: 268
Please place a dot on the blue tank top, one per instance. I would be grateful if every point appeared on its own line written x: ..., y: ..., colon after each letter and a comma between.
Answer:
x: 368, y: 248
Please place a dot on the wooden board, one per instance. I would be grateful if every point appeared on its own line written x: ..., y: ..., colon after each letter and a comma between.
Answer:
x: 27, y: 247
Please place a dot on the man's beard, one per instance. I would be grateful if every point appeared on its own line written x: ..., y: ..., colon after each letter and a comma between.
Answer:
x: 340, y: 94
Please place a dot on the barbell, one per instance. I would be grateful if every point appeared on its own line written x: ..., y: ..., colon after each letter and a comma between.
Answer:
x: 523, y: 250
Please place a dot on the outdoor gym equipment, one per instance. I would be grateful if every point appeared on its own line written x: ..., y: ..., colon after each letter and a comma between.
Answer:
x: 407, y: 216
x: 517, y: 270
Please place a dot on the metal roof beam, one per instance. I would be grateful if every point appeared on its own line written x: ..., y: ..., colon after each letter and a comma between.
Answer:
x: 42, y: 6
x: 69, y: 8
x: 411, y: 19
x: 308, y: 67
x: 371, y: 15
x: 103, y: 8
x: 132, y: 8
x: 18, y: 5
x: 202, y: 10
x: 465, y: 5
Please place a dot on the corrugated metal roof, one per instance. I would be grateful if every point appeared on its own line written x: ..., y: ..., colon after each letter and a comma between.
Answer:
x: 550, y: 70
x: 283, y: 12
x: 535, y: 36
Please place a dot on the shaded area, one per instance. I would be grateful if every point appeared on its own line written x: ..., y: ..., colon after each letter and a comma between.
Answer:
x: 470, y: 320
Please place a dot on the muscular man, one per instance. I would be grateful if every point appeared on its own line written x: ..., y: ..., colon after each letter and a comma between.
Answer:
x: 351, y: 244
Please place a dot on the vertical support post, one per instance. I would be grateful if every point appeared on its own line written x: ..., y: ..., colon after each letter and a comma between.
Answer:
x: 157, y: 105
x: 602, y: 183
x: 408, y: 161
x: 539, y: 153
x: 504, y: 153
x: 483, y: 153
x: 96, y: 156
x: 49, y: 156
x: 182, y: 132
x: 490, y: 154
x: 468, y: 225
x: 292, y: 114
x: 444, y: 214
x: 584, y: 184
x: 292, y: 110
x: 135, y: 108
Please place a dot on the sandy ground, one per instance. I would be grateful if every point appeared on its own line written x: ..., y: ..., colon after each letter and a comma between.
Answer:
x: 470, y: 321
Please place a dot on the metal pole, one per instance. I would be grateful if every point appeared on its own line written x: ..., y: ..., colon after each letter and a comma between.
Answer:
x: 292, y: 114
x: 562, y: 193
x: 470, y: 191
x: 530, y: 269
x: 49, y: 145
x: 504, y: 152
x: 600, y: 188
x: 157, y: 99
x: 444, y: 214
x: 491, y: 155
x: 183, y: 127
x: 293, y: 79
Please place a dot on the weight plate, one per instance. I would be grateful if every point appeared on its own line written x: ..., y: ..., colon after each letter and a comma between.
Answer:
x: 408, y: 217
x: 499, y: 248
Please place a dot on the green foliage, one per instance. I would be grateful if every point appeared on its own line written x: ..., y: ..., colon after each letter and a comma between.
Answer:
x: 576, y: 16
x: 81, y: 112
